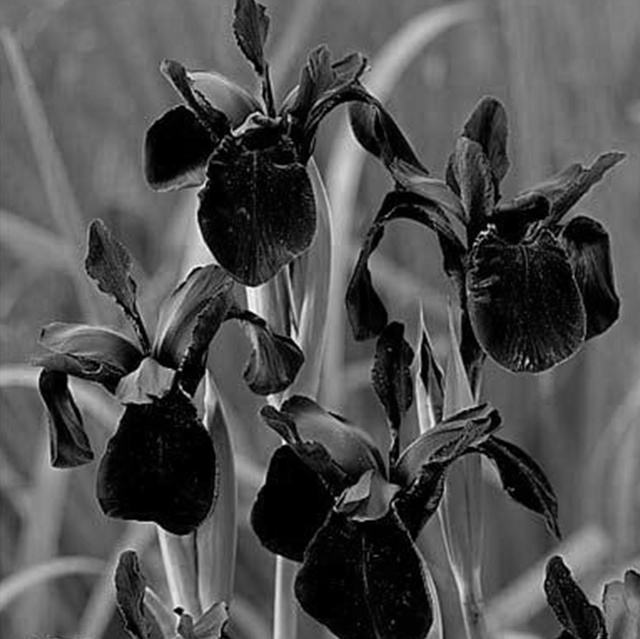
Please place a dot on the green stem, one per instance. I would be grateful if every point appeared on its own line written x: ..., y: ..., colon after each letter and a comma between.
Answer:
x: 285, y: 616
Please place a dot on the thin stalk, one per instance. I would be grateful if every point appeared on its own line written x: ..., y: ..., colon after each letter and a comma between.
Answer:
x: 285, y: 618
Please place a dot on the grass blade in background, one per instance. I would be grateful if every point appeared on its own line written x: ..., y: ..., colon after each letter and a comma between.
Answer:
x: 346, y: 162
x: 62, y: 203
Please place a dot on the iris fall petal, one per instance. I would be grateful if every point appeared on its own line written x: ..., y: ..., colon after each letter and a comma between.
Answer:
x: 159, y: 466
x: 524, y: 302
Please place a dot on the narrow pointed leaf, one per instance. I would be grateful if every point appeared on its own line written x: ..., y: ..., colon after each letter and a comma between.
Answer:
x: 176, y: 150
x: 523, y: 480
x: 565, y: 189
x: 108, y: 263
x: 391, y: 378
x: 488, y: 126
x: 257, y: 211
x: 365, y: 579
x: 570, y: 605
x: 68, y: 441
x: 524, y: 303
x: 291, y: 506
x: 139, y: 622
x: 458, y: 394
x: 251, y: 27
x: 159, y: 466
x: 589, y: 250
x: 430, y: 382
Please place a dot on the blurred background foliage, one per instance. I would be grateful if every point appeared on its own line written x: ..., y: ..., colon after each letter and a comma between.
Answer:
x: 567, y: 71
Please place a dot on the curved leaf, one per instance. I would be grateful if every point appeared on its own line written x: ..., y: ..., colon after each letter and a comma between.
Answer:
x: 365, y: 579
x: 524, y: 302
x: 68, y: 441
x: 589, y: 250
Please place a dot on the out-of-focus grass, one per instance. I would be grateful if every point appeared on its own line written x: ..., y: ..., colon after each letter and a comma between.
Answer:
x: 567, y: 71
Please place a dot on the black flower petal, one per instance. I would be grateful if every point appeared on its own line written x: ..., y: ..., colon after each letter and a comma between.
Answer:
x: 365, y: 579
x: 159, y: 466
x: 524, y: 302
x: 587, y: 243
x: 68, y: 442
x: 176, y: 150
x: 257, y: 210
x: 291, y: 506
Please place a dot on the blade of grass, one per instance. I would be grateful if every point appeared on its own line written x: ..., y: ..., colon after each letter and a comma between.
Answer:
x: 102, y: 600
x: 18, y: 583
x: 62, y: 202
x: 32, y: 243
x: 347, y: 159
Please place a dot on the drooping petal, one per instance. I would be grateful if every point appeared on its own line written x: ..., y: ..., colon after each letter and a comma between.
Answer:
x: 275, y: 359
x: 95, y: 353
x: 291, y: 506
x: 131, y: 585
x: 524, y: 302
x: 108, y: 263
x: 189, y: 319
x: 523, y: 479
x: 176, y: 150
x: 376, y: 130
x: 68, y: 441
x: 587, y: 243
x: 570, y: 605
x: 366, y: 311
x: 391, y: 378
x: 365, y: 579
x: 565, y: 189
x: 257, y: 211
x: 300, y: 420
x: 159, y: 466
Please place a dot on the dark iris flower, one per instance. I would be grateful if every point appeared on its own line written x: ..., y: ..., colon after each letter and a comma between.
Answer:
x: 257, y: 210
x: 534, y: 286
x: 160, y: 464
x: 331, y: 502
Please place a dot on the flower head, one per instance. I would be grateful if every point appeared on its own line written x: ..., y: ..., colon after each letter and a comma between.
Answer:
x: 257, y: 210
x: 160, y: 464
x: 535, y: 286
x: 332, y: 502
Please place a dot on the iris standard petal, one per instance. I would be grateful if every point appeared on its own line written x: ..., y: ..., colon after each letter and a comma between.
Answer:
x: 365, y: 579
x: 257, y: 210
x: 176, y: 150
x: 291, y: 506
x: 159, y: 466
x: 524, y: 302
x: 587, y: 243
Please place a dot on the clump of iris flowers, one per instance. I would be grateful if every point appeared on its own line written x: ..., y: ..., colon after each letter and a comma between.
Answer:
x: 160, y: 464
x: 257, y: 211
x: 533, y: 286
x: 351, y: 515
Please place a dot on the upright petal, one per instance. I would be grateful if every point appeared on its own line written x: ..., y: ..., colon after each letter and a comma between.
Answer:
x: 257, y: 211
x: 587, y: 243
x: 524, y: 302
x: 176, y: 150
x: 159, y: 466
x: 69, y: 444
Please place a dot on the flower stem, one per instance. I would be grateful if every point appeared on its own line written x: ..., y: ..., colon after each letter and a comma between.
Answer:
x: 284, y: 608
